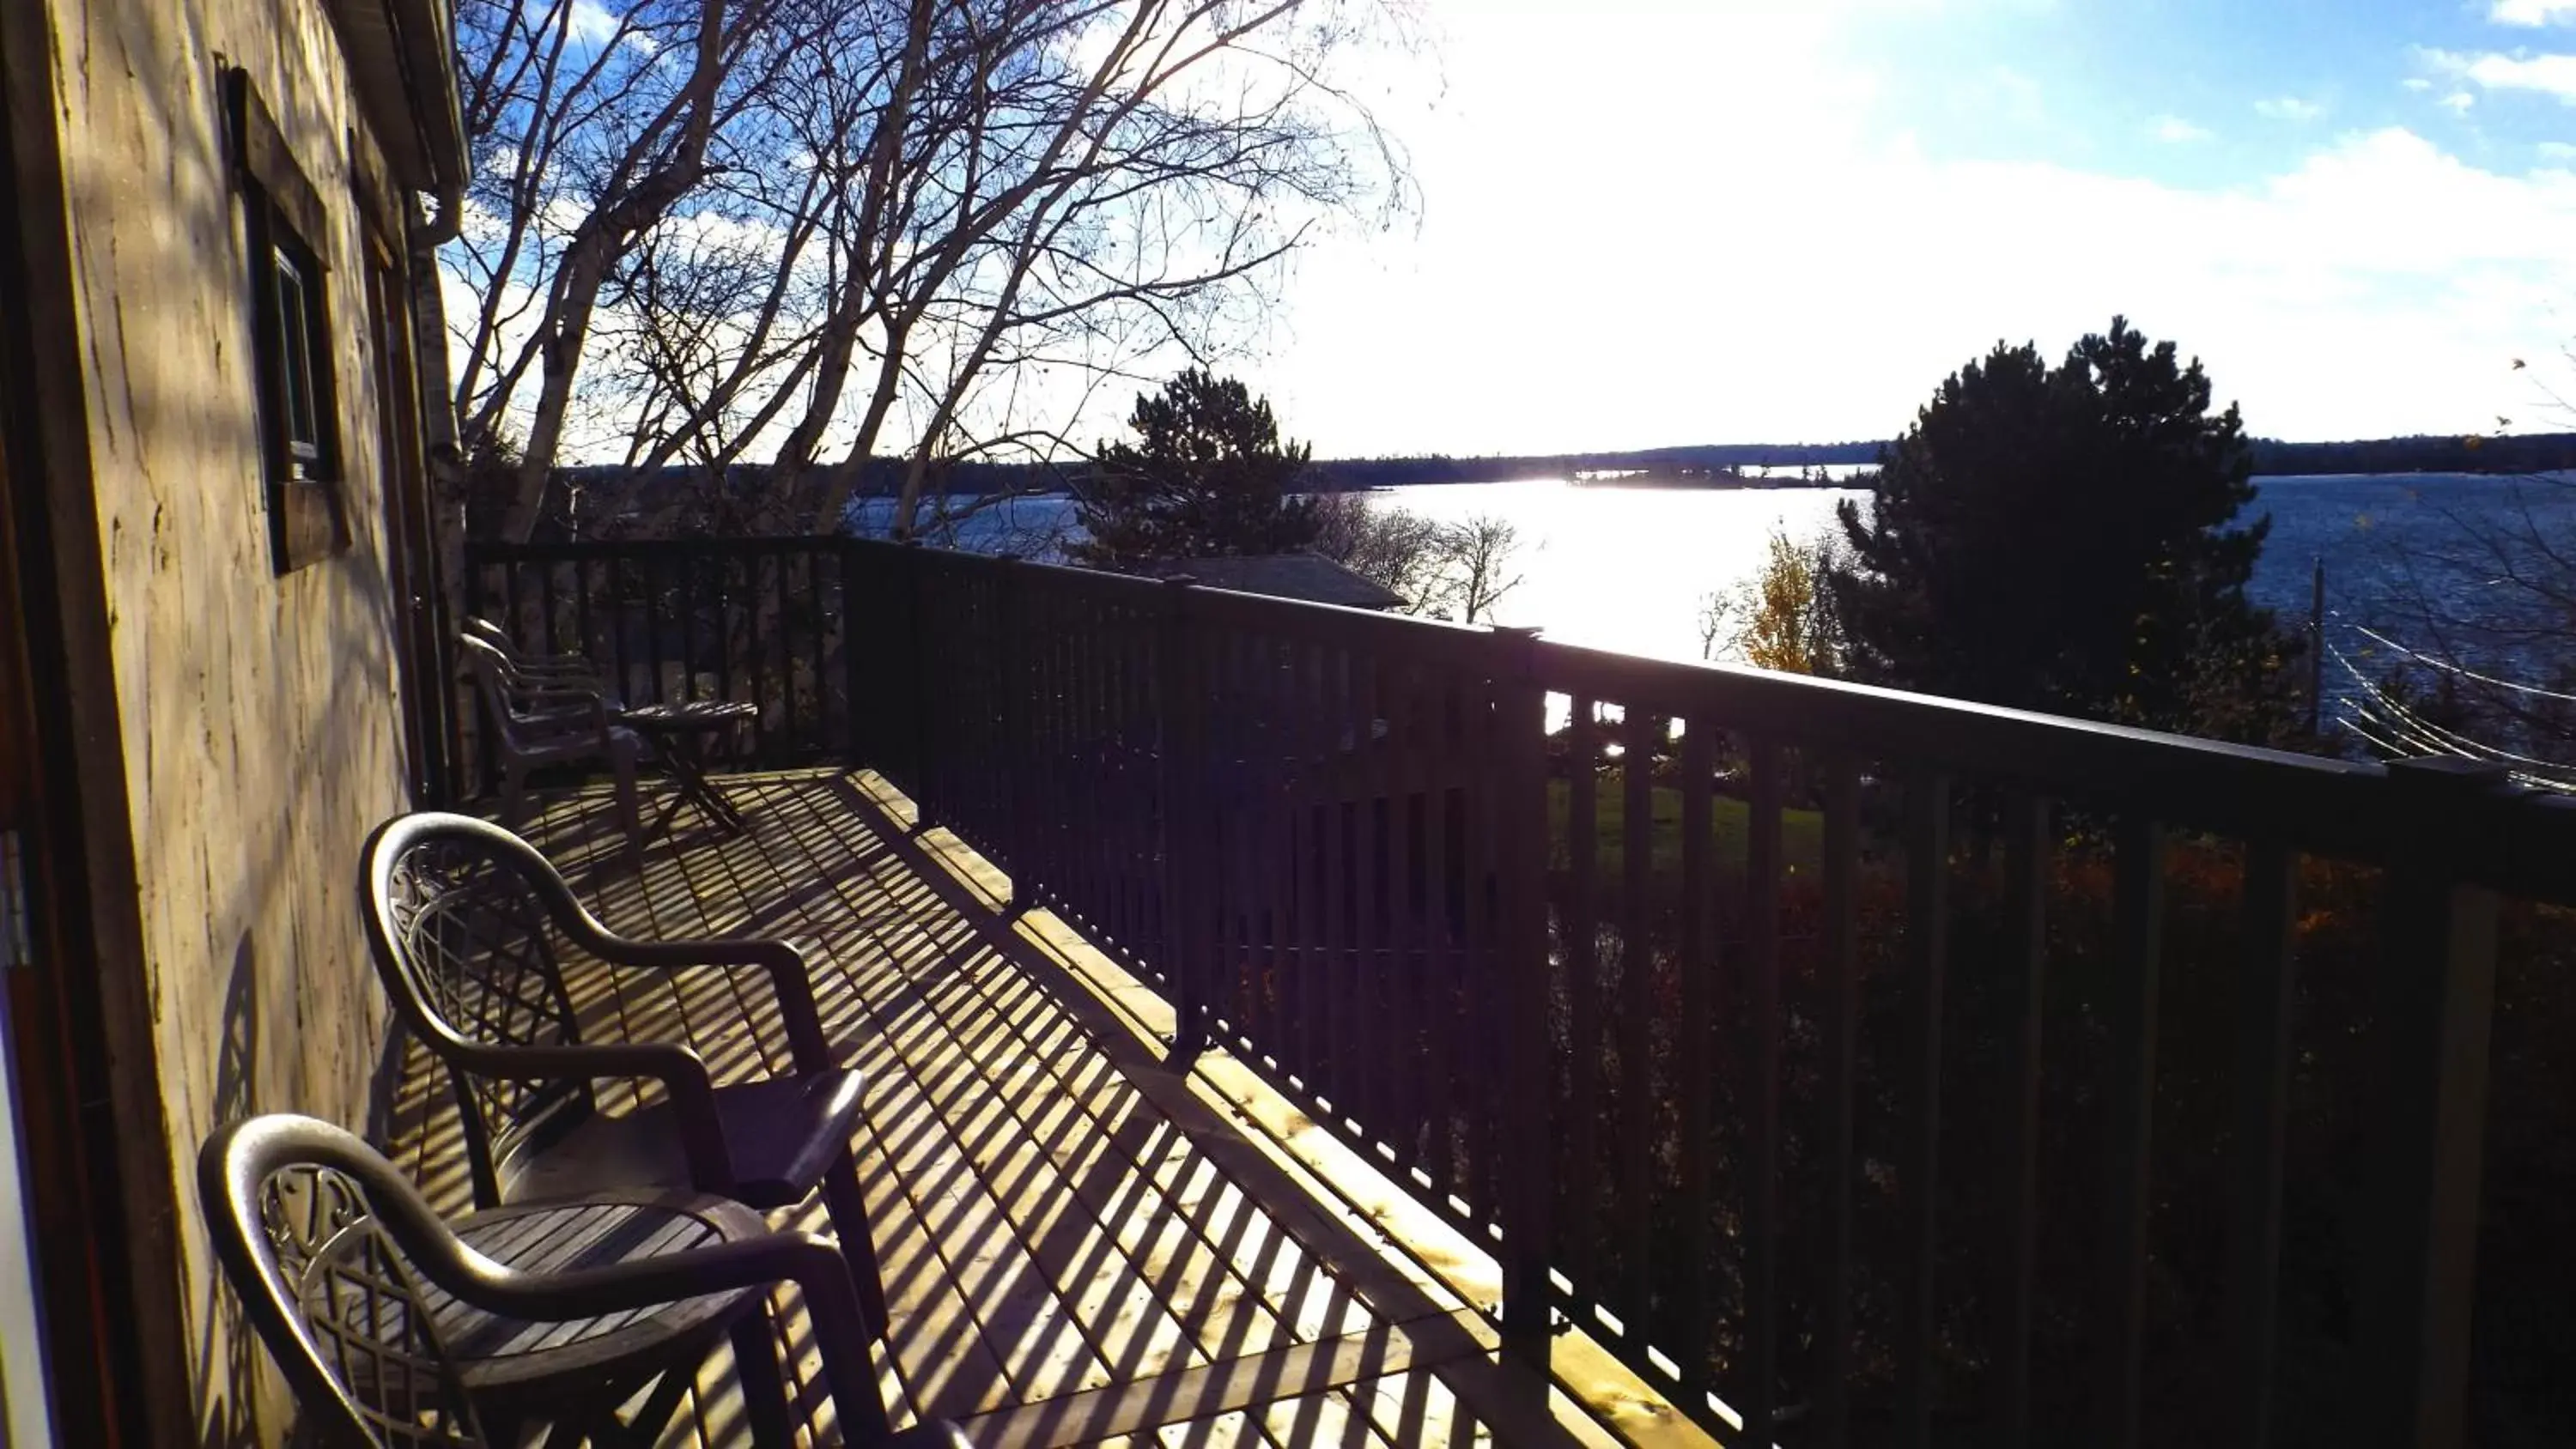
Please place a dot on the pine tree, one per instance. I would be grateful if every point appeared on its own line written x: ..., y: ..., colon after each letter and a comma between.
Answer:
x: 1207, y: 475
x: 2066, y: 539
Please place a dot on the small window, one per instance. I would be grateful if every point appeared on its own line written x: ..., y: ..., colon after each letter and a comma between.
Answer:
x: 290, y: 316
x: 293, y: 341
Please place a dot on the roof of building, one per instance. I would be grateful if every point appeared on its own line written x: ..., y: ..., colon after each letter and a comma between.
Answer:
x: 404, y: 55
x: 1307, y: 576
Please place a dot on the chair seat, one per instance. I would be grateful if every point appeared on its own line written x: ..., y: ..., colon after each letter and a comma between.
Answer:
x: 782, y: 1132
x: 570, y: 1369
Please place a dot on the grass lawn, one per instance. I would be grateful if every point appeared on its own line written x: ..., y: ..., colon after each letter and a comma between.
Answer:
x: 1801, y: 831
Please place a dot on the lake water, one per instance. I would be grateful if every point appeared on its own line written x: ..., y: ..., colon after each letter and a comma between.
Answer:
x: 1626, y: 568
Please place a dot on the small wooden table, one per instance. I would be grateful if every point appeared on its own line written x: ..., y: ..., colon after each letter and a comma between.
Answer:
x: 578, y: 1372
x: 679, y: 733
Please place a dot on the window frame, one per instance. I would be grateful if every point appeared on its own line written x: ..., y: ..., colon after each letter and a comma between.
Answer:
x: 297, y: 397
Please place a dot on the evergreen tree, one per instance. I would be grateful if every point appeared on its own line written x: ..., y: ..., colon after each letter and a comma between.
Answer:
x: 1207, y: 475
x: 2066, y: 539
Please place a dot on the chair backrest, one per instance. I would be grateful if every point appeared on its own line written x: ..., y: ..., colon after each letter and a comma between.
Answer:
x: 525, y: 663
x: 309, y: 1224
x: 492, y: 634
x: 457, y: 915
x: 497, y: 681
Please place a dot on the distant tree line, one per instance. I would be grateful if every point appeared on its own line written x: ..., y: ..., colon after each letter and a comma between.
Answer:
x: 2526, y: 453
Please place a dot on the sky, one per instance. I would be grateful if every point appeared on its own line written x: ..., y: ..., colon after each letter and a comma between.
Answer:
x: 1643, y: 224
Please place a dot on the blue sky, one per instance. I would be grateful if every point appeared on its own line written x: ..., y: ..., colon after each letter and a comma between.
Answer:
x: 1647, y: 223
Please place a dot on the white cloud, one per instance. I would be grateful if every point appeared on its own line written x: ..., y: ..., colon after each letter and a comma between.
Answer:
x: 2533, y: 12
x: 2176, y: 130
x: 2288, y: 108
x: 2416, y: 83
x: 2557, y: 151
x: 2549, y: 74
x: 592, y: 23
x: 2372, y: 285
x: 2459, y: 102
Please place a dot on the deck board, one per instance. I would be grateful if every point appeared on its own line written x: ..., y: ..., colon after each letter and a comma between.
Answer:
x: 1064, y: 1242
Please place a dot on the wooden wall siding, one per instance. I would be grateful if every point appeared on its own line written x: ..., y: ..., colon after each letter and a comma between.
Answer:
x: 255, y: 714
x: 1077, y: 1248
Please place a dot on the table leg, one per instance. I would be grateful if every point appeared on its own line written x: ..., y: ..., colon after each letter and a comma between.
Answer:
x: 690, y: 771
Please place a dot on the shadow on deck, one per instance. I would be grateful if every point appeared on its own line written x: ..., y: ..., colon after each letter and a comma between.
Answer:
x: 1079, y: 1245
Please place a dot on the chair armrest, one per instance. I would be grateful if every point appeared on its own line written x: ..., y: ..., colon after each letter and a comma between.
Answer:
x: 791, y: 978
x: 814, y: 1264
x: 563, y: 727
x: 560, y: 664
x: 680, y: 1070
x: 551, y: 694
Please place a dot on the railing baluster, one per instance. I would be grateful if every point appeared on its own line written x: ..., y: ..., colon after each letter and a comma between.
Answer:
x: 1456, y: 976
x: 862, y: 727
x: 1185, y: 821
x: 1332, y: 781
x: 783, y: 624
x: 1695, y: 1052
x: 1636, y: 1076
x: 1487, y: 988
x: 762, y: 627
x: 1272, y: 822
x: 1044, y: 735
x: 655, y: 592
x: 1369, y: 1038
x: 548, y: 640
x: 1011, y: 708
x: 1305, y: 676
x: 2026, y: 859
x: 764, y: 573
x: 1839, y: 973
x: 1074, y: 882
x: 1413, y: 932
x: 511, y: 621
x: 2264, y: 992
x: 820, y: 596
x: 681, y: 599
x: 2138, y: 887
x: 1927, y: 926
x: 728, y: 657
x: 617, y: 618
x: 1440, y: 965
x: 1763, y: 866
x: 589, y: 646
x: 1582, y: 988
x: 1135, y: 752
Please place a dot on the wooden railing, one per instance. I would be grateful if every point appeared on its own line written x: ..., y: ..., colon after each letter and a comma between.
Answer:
x: 757, y: 620
x: 1860, y: 1067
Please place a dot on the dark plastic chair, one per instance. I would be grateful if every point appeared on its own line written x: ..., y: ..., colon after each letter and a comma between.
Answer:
x: 462, y: 918
x: 395, y: 1328
x: 552, y: 721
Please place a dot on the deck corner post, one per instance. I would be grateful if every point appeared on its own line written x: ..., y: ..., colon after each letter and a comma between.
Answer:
x: 1528, y: 1167
x: 1181, y: 698
x: 2436, y: 997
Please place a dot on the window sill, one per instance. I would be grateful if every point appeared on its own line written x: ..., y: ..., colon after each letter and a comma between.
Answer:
x: 305, y: 525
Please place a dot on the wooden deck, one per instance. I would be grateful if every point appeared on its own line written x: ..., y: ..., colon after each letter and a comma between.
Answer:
x: 1080, y: 1246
